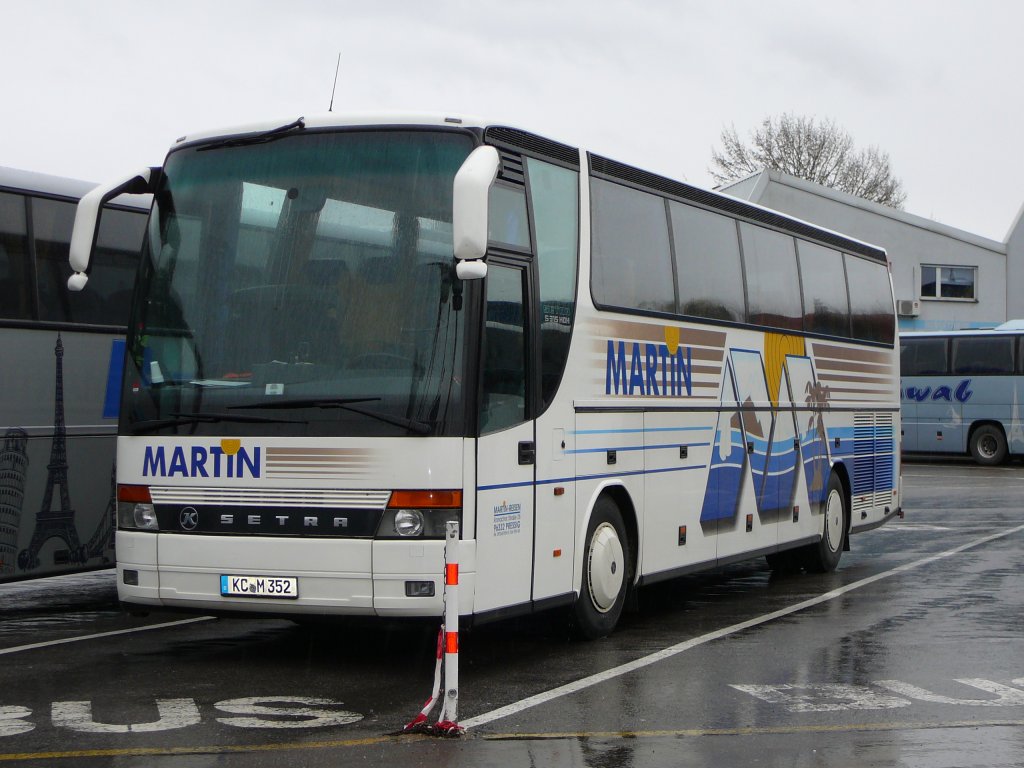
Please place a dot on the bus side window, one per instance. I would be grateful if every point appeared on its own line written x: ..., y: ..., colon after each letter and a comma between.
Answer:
x: 708, y: 269
x: 823, y: 279
x: 993, y: 356
x: 923, y: 357
x: 554, y: 197
x: 632, y: 258
x: 52, y: 221
x: 773, y: 285
x: 15, y: 282
x: 871, y: 308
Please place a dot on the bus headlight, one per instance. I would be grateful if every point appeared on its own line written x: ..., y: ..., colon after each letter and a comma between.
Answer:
x: 136, y: 516
x: 135, y: 510
x: 408, y: 522
x: 420, y: 514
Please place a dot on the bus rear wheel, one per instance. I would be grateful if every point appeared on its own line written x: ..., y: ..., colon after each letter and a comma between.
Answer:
x: 607, y: 570
x: 823, y: 556
x: 988, y: 445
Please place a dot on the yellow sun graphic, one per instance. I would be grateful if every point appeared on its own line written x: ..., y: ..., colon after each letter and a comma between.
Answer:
x: 776, y: 347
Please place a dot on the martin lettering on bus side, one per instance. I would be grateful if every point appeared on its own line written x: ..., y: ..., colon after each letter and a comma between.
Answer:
x: 202, y: 461
x: 946, y: 393
x: 648, y: 370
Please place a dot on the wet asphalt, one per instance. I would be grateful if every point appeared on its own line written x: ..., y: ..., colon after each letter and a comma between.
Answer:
x: 911, y: 654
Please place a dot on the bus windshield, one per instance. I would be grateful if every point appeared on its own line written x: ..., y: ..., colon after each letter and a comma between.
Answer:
x: 301, y: 284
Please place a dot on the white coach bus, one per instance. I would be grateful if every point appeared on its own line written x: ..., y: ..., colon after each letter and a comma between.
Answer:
x: 346, y: 332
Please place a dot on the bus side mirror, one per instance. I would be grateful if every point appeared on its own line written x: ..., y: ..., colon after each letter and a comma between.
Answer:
x: 470, y: 198
x: 87, y: 220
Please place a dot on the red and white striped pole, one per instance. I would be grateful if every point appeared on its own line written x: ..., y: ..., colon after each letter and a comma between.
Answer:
x: 448, y: 724
x: 447, y: 649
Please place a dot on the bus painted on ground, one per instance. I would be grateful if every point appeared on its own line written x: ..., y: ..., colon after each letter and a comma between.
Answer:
x: 962, y: 393
x: 347, y: 332
x: 61, y: 355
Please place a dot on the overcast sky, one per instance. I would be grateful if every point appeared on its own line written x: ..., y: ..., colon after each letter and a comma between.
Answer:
x: 94, y: 89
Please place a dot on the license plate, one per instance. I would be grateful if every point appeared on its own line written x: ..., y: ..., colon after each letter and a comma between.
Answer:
x: 286, y: 587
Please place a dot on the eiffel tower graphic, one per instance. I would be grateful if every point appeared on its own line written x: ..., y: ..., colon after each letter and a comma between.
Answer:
x: 55, y: 523
x: 102, y: 538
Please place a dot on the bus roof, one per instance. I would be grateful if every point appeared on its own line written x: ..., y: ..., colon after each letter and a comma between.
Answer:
x: 502, y: 134
x: 16, y: 180
x: 59, y: 187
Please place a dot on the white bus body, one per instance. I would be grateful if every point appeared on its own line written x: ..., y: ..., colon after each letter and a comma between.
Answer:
x: 592, y: 424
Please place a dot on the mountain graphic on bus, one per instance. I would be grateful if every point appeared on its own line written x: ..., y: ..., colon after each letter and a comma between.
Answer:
x: 728, y: 459
x: 770, y: 442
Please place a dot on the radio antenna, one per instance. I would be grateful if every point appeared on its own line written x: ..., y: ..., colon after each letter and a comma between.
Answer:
x: 335, y: 87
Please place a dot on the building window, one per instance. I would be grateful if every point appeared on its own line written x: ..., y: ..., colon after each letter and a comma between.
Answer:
x: 948, y: 282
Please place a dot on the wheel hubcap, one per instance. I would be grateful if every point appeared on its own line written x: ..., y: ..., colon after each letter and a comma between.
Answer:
x: 987, y: 446
x: 605, y: 571
x: 834, y: 520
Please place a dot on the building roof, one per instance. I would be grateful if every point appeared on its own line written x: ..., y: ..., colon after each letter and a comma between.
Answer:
x: 755, y: 186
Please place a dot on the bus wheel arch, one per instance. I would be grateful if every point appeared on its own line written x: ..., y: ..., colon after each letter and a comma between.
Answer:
x: 987, y: 443
x: 607, y: 564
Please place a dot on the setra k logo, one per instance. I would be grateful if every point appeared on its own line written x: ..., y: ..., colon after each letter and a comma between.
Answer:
x: 189, y: 518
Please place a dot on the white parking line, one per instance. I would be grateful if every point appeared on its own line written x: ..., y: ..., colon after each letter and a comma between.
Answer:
x: 62, y: 641
x: 667, y: 653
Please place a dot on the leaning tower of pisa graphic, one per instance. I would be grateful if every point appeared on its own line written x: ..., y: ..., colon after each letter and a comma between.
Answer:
x: 13, y: 469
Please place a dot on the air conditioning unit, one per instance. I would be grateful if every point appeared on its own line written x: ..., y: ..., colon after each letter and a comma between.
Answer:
x: 908, y: 307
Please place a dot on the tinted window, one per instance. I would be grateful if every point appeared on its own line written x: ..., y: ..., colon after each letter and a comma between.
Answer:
x: 708, y: 267
x: 992, y: 355
x: 554, y: 194
x: 632, y: 266
x: 871, y: 304
x: 106, y: 298
x: 114, y: 263
x: 503, y: 400
x: 826, y: 305
x: 15, y: 267
x: 923, y: 357
x: 52, y: 221
x: 773, y: 288
x: 507, y: 212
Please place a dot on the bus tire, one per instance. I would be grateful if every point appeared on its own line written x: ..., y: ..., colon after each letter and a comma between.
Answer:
x: 607, y: 571
x: 988, y: 445
x: 823, y: 557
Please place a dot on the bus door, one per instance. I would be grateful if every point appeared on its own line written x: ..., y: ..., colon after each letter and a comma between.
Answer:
x: 506, y: 447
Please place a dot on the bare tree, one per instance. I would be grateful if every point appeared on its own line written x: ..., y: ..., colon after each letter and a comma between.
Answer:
x: 820, y: 152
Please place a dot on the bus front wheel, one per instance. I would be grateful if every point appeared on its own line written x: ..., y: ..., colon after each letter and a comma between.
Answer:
x: 988, y: 445
x: 606, y: 572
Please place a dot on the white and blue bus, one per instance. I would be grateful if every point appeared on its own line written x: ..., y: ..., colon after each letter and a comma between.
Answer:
x: 962, y: 393
x: 348, y: 331
x: 61, y: 355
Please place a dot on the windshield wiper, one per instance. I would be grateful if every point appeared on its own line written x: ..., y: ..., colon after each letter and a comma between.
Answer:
x: 345, y: 403
x: 256, y: 138
x: 309, y: 402
x: 178, y: 419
